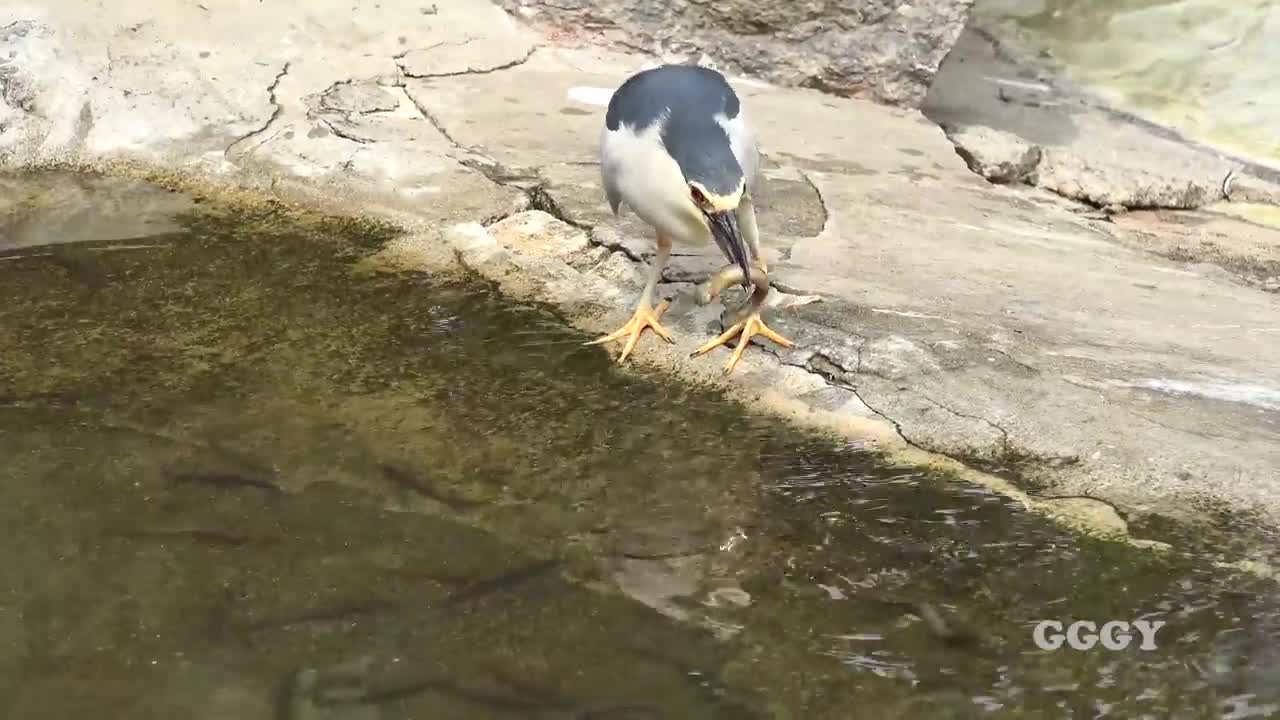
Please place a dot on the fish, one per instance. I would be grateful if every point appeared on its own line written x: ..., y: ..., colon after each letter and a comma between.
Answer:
x: 336, y: 613
x: 731, y: 275
x: 502, y: 583
x: 225, y: 479
x: 309, y: 691
x: 706, y: 681
x: 932, y: 618
x: 489, y: 698
x: 621, y: 712
x: 80, y: 268
x: 241, y: 459
x: 440, y: 578
x: 211, y: 537
x: 406, y: 481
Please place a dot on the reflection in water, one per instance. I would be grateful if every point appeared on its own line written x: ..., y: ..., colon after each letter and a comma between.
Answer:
x: 1204, y: 67
x: 244, y: 480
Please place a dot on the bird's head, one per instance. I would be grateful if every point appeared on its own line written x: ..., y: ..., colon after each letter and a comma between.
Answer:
x: 720, y: 212
x: 714, y: 179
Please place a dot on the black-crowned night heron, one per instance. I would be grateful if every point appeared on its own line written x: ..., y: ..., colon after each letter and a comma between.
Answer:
x: 677, y: 150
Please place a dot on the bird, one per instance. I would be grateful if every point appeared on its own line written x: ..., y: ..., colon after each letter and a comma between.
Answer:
x: 677, y: 150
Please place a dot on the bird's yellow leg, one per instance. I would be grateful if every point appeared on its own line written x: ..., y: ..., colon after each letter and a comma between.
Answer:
x: 746, y: 328
x: 645, y: 316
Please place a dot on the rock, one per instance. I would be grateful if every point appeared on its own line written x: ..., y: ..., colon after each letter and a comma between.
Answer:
x: 1091, y: 178
x: 1000, y: 157
x: 887, y: 52
x: 1249, y: 189
x: 1115, y: 186
x: 896, y: 357
x: 994, y: 110
x: 534, y: 257
x: 17, y: 89
x: 473, y: 54
x: 360, y: 97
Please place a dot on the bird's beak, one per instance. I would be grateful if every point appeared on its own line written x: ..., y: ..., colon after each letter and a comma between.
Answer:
x: 724, y: 228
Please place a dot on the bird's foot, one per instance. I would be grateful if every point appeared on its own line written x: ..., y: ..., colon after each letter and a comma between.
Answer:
x: 644, y: 317
x: 747, y: 328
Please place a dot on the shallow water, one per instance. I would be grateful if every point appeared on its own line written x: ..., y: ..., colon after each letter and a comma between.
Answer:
x: 248, y: 478
x: 1207, y: 68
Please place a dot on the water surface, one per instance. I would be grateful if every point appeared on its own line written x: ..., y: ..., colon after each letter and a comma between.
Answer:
x: 247, y: 478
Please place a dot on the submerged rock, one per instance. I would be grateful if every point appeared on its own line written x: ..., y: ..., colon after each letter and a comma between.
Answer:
x: 887, y: 52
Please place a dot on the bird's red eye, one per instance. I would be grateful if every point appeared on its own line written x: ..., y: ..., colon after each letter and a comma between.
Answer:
x: 697, y: 194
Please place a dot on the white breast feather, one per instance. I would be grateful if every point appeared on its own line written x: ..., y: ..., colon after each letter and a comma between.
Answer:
x: 638, y: 172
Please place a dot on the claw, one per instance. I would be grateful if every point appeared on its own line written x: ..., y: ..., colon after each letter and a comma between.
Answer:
x: 749, y: 327
x: 644, y: 317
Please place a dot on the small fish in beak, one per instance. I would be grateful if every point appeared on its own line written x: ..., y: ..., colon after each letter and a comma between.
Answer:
x: 724, y: 228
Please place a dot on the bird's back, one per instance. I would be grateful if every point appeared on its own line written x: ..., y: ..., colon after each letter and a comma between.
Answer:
x: 702, y: 124
x: 681, y: 92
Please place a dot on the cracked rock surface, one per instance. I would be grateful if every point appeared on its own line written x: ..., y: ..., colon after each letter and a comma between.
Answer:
x: 887, y: 52
x: 998, y: 324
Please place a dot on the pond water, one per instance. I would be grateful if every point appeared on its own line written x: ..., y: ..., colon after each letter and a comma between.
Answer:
x: 248, y: 477
x: 1207, y: 68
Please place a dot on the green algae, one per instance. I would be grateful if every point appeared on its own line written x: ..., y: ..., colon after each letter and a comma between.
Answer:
x: 154, y: 398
